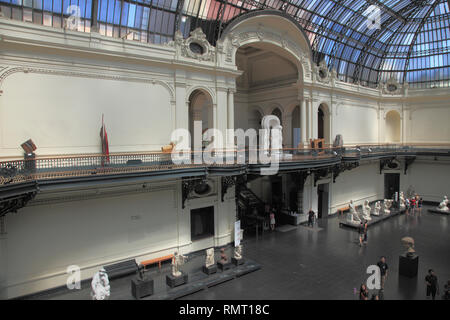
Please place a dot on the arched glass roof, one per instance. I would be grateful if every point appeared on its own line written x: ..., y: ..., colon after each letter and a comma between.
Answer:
x: 367, y: 42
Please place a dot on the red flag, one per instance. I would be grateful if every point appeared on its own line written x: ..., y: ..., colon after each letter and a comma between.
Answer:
x: 104, y: 139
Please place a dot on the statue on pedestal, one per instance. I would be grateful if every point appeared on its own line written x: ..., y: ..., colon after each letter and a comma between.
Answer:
x: 223, y: 256
x: 177, y: 261
x: 387, y: 206
x: 238, y: 252
x: 443, y: 206
x: 377, y: 208
x: 366, y: 211
x: 209, y: 257
x: 352, y: 215
x: 402, y: 201
x: 408, y: 243
x: 100, y: 285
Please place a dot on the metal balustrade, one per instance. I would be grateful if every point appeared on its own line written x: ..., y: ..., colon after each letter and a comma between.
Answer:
x: 39, y: 168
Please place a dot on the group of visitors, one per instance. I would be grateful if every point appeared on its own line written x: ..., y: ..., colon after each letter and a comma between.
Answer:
x: 414, y: 203
x: 431, y: 281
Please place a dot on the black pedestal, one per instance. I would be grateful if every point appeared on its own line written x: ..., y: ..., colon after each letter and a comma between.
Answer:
x: 141, y: 288
x: 408, y: 266
x: 210, y: 270
x: 176, y: 281
x: 237, y: 262
x: 224, y: 266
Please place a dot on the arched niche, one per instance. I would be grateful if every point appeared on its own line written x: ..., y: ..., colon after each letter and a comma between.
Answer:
x: 200, y: 109
x: 392, y: 132
x: 324, y: 123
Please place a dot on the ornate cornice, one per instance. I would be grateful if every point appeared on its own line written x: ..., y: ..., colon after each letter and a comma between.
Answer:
x: 6, y: 72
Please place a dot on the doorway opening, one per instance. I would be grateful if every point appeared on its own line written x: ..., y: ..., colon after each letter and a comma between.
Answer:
x: 391, y: 184
x: 322, y: 200
x: 202, y: 223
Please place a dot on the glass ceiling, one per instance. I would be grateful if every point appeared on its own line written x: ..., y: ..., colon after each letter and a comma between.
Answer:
x: 367, y: 41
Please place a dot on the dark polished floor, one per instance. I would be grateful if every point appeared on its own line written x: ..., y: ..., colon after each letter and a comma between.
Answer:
x: 324, y: 262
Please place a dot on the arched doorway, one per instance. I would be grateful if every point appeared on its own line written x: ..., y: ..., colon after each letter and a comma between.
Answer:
x: 323, y: 123
x: 200, y: 109
x: 277, y: 112
x: 296, y: 130
x: 254, y: 121
x: 393, y: 127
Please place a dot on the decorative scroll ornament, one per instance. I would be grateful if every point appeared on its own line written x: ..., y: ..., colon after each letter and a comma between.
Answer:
x: 195, y: 47
x: 322, y: 73
x: 392, y: 86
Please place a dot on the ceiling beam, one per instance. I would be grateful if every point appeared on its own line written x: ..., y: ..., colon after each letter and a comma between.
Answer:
x: 388, y: 10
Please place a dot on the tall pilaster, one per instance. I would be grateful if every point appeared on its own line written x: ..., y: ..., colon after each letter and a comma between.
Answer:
x: 304, y: 137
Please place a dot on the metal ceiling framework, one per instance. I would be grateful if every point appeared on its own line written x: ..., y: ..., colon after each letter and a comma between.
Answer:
x: 412, y: 43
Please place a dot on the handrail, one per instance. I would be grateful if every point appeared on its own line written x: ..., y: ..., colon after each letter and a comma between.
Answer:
x: 19, y: 170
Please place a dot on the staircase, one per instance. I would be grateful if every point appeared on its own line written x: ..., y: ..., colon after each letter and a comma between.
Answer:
x: 248, y: 200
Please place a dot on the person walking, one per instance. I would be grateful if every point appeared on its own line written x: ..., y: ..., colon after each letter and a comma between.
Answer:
x: 272, y: 220
x: 361, y: 233
x: 311, y: 218
x: 383, y: 271
x: 366, y: 226
x: 432, y: 284
x: 446, y: 295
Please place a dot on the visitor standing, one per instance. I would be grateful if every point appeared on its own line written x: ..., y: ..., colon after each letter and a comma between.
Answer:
x: 363, y: 292
x: 413, y: 204
x: 383, y: 271
x: 446, y: 295
x: 432, y: 284
x: 311, y: 218
x: 272, y: 220
x: 366, y: 226
x: 407, y: 205
x: 361, y: 233
x: 419, y: 204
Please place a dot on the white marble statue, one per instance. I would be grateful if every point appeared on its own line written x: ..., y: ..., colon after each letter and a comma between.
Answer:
x: 443, y: 206
x: 387, y: 206
x: 238, y: 252
x: 376, y: 209
x: 352, y: 215
x: 177, y: 261
x: 402, y: 201
x: 100, y: 285
x: 366, y: 211
x: 209, y: 257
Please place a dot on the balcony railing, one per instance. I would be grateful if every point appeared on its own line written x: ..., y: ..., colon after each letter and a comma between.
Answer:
x: 40, y: 168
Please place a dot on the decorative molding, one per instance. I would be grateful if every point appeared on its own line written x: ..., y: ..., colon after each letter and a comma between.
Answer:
x: 227, y: 182
x: 197, y: 38
x: 6, y: 72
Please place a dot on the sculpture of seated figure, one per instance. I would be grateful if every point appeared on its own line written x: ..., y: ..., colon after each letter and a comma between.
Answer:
x: 209, y: 257
x: 238, y: 252
x: 352, y: 215
x: 443, y: 206
x: 387, y: 205
x: 223, y: 256
x: 402, y: 201
x: 366, y: 211
x: 376, y: 209
x: 101, y: 289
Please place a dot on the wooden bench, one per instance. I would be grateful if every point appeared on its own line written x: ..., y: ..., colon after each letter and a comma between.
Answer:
x: 146, y: 263
x: 343, y: 209
x: 121, y: 269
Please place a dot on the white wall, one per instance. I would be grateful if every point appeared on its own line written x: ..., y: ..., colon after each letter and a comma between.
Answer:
x: 430, y: 179
x: 430, y: 124
x: 44, y: 239
x: 359, y: 184
x: 356, y: 123
x: 62, y: 114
